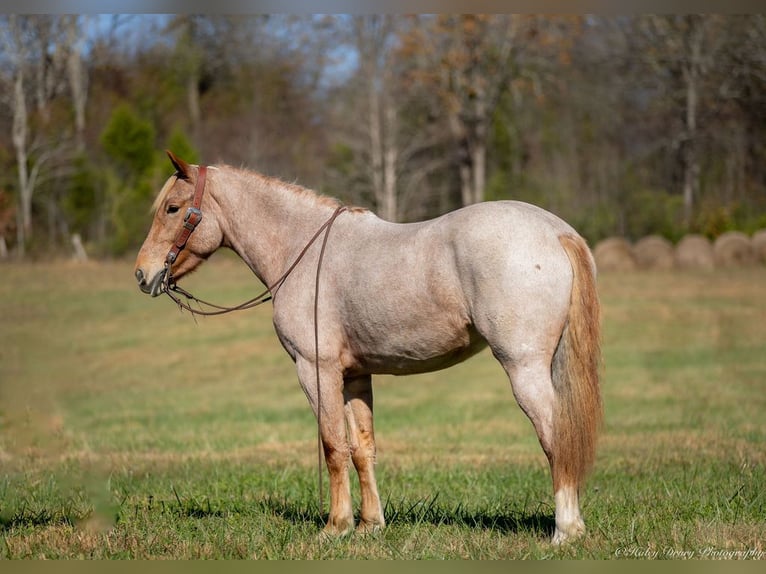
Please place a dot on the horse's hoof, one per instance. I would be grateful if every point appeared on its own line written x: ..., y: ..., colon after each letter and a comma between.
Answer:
x: 333, y: 531
x: 369, y: 528
x: 568, y: 533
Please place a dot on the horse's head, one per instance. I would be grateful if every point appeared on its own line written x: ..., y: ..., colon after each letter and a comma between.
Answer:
x: 174, y: 210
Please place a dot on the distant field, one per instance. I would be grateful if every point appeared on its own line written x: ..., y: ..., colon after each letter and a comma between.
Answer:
x: 127, y: 430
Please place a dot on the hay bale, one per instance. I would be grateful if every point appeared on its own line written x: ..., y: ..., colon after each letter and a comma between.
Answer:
x: 614, y: 254
x: 733, y: 249
x: 759, y: 245
x: 694, y: 252
x: 654, y: 252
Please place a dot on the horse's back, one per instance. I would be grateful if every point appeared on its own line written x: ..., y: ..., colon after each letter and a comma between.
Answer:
x: 509, y: 221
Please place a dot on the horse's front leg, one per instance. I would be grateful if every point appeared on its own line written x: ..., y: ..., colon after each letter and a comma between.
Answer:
x: 328, y: 406
x: 358, y: 394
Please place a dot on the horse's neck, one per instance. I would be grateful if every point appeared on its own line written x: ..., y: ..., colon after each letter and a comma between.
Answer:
x: 267, y: 223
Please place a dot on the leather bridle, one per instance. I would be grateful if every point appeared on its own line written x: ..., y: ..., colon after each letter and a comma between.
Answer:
x: 192, y: 219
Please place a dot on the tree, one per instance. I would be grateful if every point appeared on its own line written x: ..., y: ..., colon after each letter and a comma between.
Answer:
x: 373, y: 36
x: 683, y: 50
x: 77, y: 73
x: 189, y: 60
x: 467, y: 60
x: 390, y: 147
x: 129, y: 141
x: 7, y: 215
x: 42, y: 51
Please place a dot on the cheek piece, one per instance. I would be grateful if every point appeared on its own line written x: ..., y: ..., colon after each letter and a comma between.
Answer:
x: 192, y: 219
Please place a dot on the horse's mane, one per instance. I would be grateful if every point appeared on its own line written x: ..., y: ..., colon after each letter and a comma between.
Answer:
x: 299, y: 190
x: 260, y: 180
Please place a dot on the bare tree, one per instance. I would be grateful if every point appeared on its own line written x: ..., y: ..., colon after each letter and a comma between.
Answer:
x: 373, y: 36
x: 371, y: 111
x: 468, y: 60
x: 685, y: 46
x: 76, y: 73
x: 189, y: 60
x: 36, y: 58
x: 14, y: 43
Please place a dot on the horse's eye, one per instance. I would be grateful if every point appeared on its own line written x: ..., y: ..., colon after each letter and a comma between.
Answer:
x: 172, y: 209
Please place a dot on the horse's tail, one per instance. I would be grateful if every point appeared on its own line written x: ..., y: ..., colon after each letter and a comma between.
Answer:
x: 575, y: 371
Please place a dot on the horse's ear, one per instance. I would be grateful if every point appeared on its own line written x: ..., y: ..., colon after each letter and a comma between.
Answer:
x: 183, y: 171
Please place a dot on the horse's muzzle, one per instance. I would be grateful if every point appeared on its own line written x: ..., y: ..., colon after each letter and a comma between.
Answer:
x: 153, y: 287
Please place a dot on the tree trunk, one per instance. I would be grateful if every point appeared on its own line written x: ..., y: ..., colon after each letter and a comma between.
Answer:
x: 79, y: 250
x: 390, y: 157
x: 479, y: 163
x: 472, y: 160
x: 192, y: 69
x: 466, y: 183
x: 376, y: 135
x: 464, y: 154
x: 691, y: 74
x: 78, y: 81
x: 371, y: 36
x: 192, y: 98
x: 691, y: 164
x: 20, y: 136
x: 471, y: 88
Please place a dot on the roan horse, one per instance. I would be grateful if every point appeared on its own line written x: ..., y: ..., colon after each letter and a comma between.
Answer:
x: 402, y: 299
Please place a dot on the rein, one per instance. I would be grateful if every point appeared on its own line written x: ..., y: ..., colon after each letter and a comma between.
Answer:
x: 171, y: 289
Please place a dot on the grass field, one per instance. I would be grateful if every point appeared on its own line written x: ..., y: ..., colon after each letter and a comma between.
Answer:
x: 129, y: 431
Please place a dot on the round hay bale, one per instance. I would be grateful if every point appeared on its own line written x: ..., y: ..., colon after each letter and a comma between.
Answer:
x: 733, y: 249
x: 759, y: 245
x: 694, y: 252
x: 614, y: 254
x: 654, y: 252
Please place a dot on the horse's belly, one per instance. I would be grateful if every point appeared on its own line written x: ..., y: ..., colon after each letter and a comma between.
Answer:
x: 422, y: 355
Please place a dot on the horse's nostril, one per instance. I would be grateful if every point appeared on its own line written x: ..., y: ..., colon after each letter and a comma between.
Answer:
x: 140, y: 277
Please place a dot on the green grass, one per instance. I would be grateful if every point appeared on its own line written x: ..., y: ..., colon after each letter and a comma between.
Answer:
x: 130, y: 431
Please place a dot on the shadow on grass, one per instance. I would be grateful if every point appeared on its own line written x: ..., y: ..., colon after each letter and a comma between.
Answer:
x: 402, y: 513
x: 28, y: 518
x: 503, y: 520
x: 540, y: 524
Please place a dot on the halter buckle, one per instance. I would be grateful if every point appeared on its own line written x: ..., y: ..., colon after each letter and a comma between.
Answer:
x: 189, y: 223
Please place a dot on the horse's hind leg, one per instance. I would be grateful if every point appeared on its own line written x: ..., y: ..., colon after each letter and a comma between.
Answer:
x: 533, y: 388
x: 332, y: 428
x: 357, y: 393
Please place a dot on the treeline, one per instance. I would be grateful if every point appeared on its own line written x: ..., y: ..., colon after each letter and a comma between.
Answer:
x: 630, y: 126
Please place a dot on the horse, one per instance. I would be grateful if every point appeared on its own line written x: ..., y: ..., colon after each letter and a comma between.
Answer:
x: 401, y: 298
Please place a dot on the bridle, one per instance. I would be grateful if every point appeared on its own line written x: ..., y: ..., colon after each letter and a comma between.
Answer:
x: 192, y: 219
